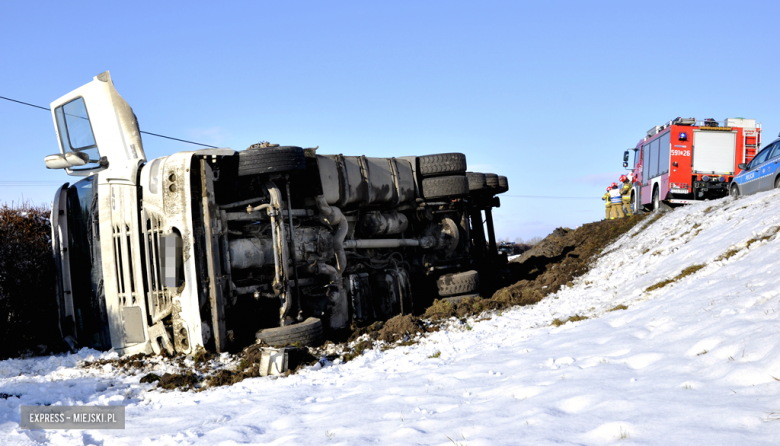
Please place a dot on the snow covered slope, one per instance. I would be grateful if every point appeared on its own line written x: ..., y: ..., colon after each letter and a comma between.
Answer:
x: 696, y: 361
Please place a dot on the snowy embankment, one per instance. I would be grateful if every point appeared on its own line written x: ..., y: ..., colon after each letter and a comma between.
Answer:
x: 693, y: 362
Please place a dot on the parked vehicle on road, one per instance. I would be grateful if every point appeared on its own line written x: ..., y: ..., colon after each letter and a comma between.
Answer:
x: 760, y: 174
x: 685, y: 160
x: 216, y: 248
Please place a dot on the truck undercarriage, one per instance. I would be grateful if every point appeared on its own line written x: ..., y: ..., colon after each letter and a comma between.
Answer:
x: 217, y: 249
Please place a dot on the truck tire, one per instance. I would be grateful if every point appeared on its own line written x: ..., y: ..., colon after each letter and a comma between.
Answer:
x: 253, y: 161
x: 308, y: 333
x: 440, y: 187
x: 656, y: 200
x: 503, y: 184
x: 441, y: 164
x: 492, y: 180
x: 476, y: 181
x: 458, y: 283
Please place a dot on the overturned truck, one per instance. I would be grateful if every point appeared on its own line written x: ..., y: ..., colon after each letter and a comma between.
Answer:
x: 217, y: 248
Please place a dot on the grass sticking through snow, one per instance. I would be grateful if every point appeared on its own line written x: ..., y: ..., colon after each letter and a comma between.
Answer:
x: 619, y: 307
x: 557, y: 322
x: 686, y: 272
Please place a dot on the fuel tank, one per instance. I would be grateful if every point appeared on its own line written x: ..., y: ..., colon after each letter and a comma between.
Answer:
x: 357, y: 181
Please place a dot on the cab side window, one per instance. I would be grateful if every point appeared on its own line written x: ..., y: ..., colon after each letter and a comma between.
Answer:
x: 75, y: 131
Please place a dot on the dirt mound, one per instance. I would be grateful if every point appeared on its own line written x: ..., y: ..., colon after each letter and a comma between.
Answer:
x: 559, y: 258
x: 552, y: 246
x: 443, y: 309
x: 400, y: 327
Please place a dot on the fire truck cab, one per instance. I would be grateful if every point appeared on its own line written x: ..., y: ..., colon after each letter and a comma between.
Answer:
x: 686, y: 160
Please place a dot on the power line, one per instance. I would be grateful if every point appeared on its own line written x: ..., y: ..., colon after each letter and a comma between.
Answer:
x: 177, y: 139
x: 147, y: 133
x: 22, y: 183
x: 548, y: 197
x: 20, y: 102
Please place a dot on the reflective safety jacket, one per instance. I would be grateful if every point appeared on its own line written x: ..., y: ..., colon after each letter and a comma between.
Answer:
x: 614, y: 196
x: 625, y: 191
x: 606, y: 198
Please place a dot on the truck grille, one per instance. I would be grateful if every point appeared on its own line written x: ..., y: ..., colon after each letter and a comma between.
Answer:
x: 123, y: 259
x: 158, y: 296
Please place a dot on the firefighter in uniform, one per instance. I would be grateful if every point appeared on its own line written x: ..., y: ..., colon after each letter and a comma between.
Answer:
x: 616, y: 201
x: 625, y: 194
x: 605, y: 197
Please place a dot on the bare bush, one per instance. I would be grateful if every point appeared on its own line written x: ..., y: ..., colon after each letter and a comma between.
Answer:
x: 28, y: 313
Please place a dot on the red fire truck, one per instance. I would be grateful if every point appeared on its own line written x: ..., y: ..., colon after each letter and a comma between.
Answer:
x: 685, y: 160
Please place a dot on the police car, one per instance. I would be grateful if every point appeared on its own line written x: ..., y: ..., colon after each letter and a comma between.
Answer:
x: 760, y: 174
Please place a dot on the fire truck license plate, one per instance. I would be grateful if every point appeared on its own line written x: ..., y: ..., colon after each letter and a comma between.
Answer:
x: 679, y: 191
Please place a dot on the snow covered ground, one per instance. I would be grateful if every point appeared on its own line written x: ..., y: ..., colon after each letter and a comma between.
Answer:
x: 694, y: 362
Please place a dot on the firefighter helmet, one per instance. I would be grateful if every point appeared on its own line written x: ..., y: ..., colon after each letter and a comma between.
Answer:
x: 609, y: 188
x: 623, y: 178
x: 614, y: 185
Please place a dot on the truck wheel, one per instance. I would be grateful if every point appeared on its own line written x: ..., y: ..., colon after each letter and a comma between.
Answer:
x: 734, y: 191
x: 439, y: 187
x: 476, y: 181
x: 253, y: 161
x: 492, y: 180
x: 458, y: 283
x: 656, y: 200
x: 503, y: 184
x: 308, y: 333
x: 441, y: 164
x: 634, y: 205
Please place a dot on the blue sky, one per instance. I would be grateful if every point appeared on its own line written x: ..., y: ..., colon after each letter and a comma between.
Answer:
x: 547, y: 93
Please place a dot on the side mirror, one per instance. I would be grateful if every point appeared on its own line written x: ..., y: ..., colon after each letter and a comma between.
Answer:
x: 625, y: 164
x: 742, y: 166
x: 625, y: 158
x: 64, y: 161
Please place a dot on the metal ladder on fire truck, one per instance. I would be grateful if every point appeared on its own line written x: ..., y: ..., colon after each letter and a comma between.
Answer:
x: 748, y: 149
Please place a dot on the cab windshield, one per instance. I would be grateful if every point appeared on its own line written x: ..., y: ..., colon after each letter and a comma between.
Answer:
x: 85, y: 269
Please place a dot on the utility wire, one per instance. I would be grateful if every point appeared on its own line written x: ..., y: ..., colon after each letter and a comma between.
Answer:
x: 177, y: 139
x: 30, y: 183
x: 20, y: 102
x: 545, y: 197
x: 147, y: 133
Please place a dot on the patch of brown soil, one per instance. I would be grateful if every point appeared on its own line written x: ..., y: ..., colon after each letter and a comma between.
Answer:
x: 127, y: 363
x: 400, y: 327
x: 372, y: 330
x: 562, y: 256
x: 181, y: 381
x: 441, y: 309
